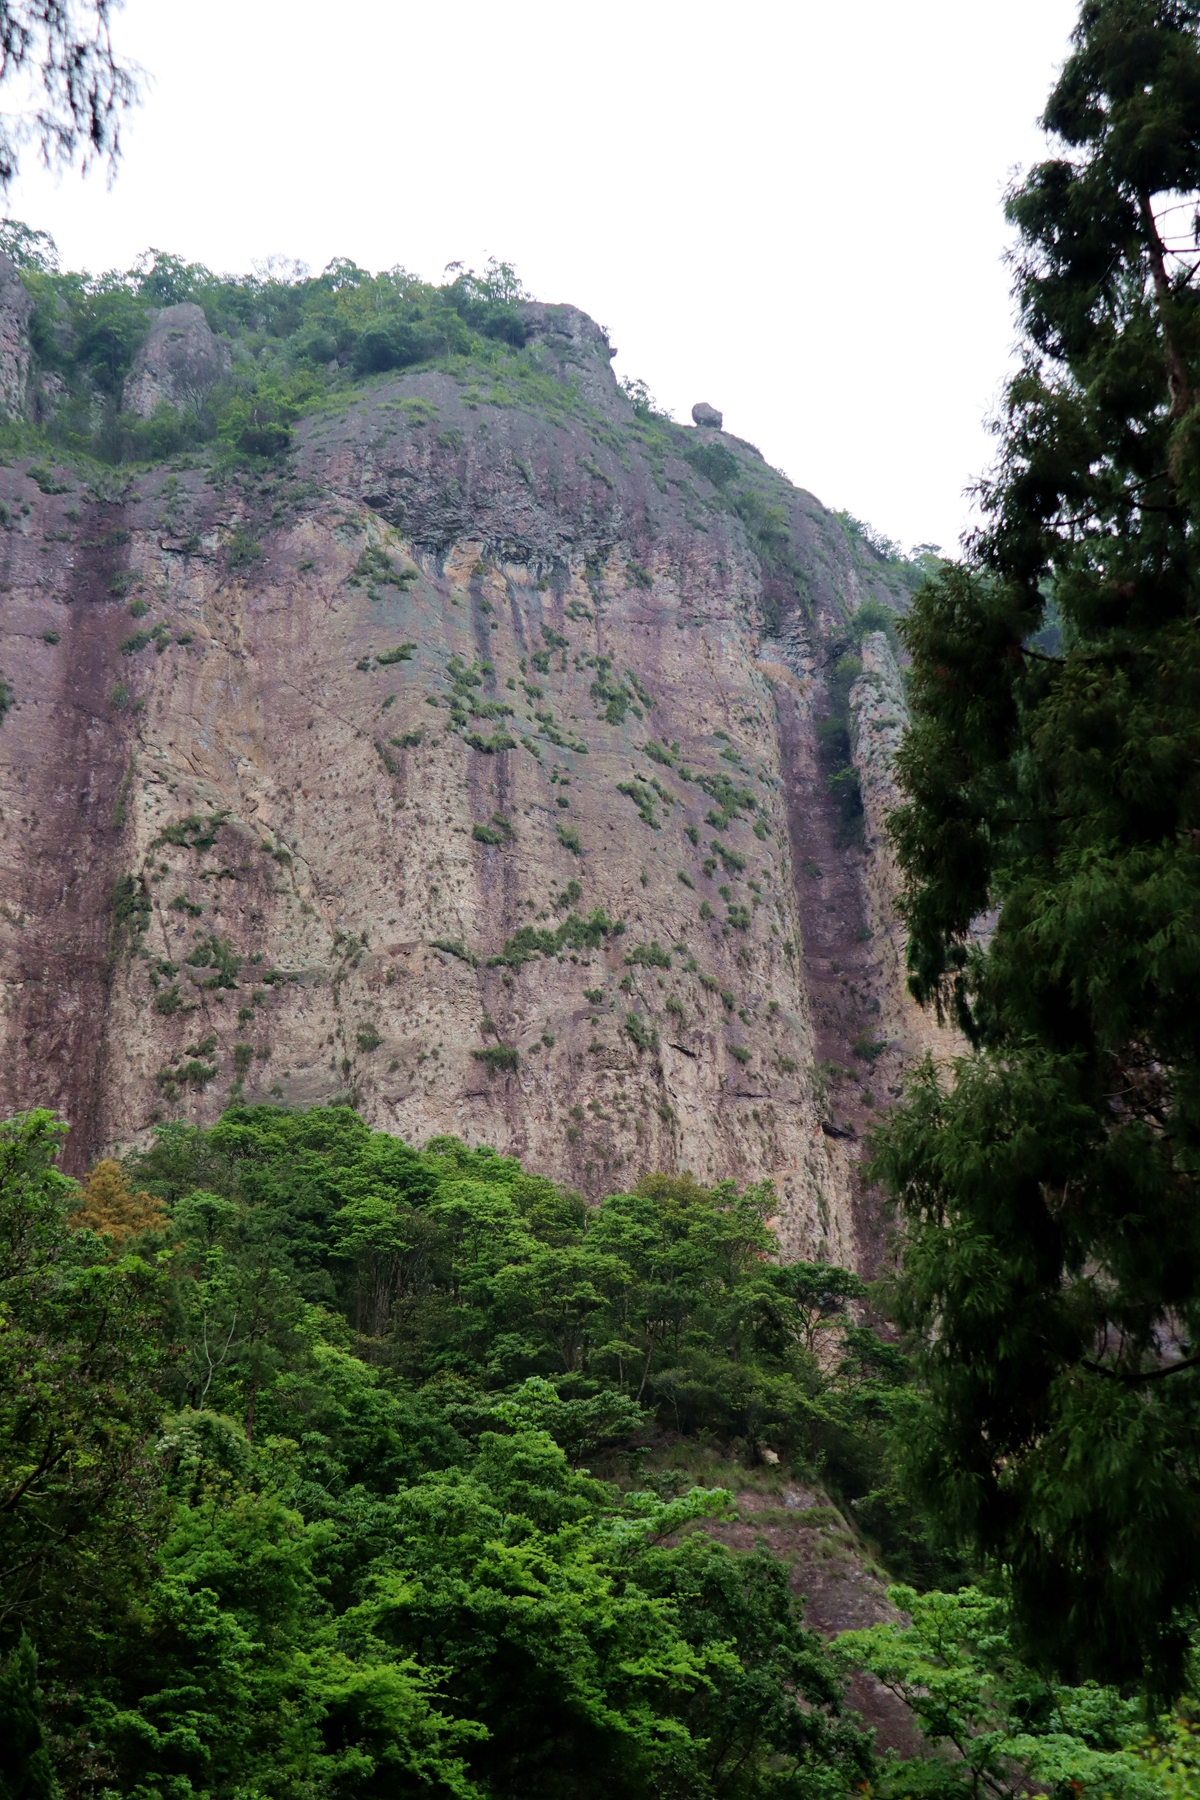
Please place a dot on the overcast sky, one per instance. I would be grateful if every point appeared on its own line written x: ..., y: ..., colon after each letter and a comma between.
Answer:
x: 790, y: 208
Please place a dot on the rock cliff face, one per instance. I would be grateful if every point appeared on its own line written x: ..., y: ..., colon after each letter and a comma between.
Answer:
x: 878, y: 717
x: 180, y: 363
x: 15, y: 310
x: 465, y: 765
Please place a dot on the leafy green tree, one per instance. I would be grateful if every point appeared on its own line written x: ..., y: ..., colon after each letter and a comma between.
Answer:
x: 80, y: 1347
x: 1051, y: 844
x: 458, y: 1261
x: 780, y: 1702
x: 577, y: 1426
x: 265, y: 1536
x: 111, y: 325
x: 239, y: 1314
x: 993, y: 1724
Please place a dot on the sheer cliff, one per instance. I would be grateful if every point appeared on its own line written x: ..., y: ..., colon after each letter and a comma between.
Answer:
x: 464, y: 760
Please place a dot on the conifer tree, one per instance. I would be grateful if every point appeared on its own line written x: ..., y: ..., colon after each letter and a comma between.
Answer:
x: 1051, y: 846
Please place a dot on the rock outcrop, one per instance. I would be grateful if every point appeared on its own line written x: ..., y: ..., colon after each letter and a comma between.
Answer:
x: 15, y: 309
x: 704, y: 414
x: 465, y: 766
x: 879, y: 717
x: 180, y: 363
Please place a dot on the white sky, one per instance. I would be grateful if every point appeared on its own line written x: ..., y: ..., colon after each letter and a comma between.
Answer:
x: 789, y: 209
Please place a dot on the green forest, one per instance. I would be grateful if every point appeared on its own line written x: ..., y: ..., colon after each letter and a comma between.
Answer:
x: 336, y: 1466
x: 296, y: 340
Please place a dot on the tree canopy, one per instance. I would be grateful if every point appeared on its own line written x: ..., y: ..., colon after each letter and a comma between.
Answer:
x: 294, y: 1499
x: 1051, y: 845
x: 333, y: 1468
x: 295, y: 339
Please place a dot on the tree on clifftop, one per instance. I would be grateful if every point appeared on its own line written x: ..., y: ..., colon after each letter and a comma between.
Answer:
x: 1052, y: 1255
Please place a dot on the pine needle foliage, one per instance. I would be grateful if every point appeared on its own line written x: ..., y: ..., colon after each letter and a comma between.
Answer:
x: 1051, y: 846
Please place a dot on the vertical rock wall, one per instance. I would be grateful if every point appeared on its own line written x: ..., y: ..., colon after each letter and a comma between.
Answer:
x: 15, y: 355
x: 879, y: 717
x: 461, y: 766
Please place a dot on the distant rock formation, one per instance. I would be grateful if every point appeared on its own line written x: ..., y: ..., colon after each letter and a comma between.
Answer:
x: 15, y: 308
x: 180, y: 362
x: 704, y: 414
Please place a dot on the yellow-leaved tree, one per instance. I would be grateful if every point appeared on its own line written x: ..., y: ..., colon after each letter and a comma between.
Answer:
x: 110, y: 1205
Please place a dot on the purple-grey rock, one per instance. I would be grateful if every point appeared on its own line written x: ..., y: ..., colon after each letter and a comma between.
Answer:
x: 180, y: 362
x: 704, y: 414
x: 15, y: 308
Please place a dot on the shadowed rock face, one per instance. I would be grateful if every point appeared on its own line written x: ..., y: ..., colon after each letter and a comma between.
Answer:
x: 412, y: 726
x: 180, y: 363
x: 15, y: 309
x: 879, y: 716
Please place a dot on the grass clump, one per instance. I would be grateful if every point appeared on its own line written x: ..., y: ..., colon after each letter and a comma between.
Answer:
x: 643, y: 1038
x: 649, y: 956
x: 573, y: 934
x: 192, y: 832
x: 498, y: 832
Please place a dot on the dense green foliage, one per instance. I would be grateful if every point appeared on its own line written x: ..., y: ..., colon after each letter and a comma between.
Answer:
x: 293, y: 1504
x: 292, y: 1499
x: 1052, y: 1263
x: 295, y: 338
x: 991, y: 1723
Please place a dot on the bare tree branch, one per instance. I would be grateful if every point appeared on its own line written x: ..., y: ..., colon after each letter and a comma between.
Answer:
x: 63, y: 48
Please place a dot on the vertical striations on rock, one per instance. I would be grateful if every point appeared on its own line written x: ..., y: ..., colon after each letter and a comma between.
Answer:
x: 878, y: 719
x: 15, y: 356
x: 461, y: 764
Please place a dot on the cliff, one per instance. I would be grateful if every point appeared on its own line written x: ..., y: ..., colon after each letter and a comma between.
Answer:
x: 461, y: 760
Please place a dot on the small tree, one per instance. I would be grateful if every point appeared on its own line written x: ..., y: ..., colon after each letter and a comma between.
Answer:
x: 25, y: 1768
x: 110, y: 1207
x: 80, y: 1346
